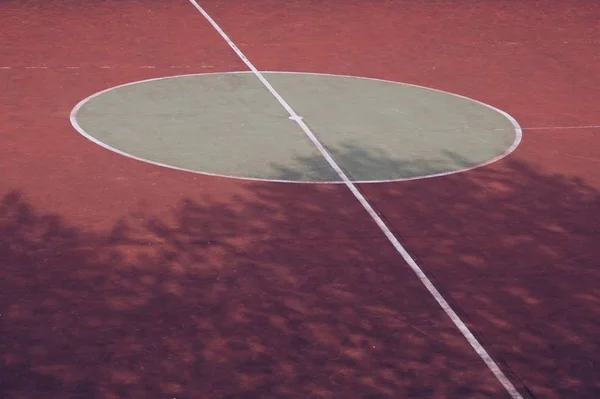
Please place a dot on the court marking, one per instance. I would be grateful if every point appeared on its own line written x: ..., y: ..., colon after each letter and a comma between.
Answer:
x: 398, y: 158
x: 517, y: 129
x: 508, y: 386
x: 561, y: 127
x: 60, y: 67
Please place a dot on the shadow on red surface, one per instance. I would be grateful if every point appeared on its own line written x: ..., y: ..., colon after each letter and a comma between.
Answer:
x: 213, y: 302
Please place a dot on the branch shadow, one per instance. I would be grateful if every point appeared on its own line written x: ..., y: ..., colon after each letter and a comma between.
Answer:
x: 242, y: 299
x: 362, y: 164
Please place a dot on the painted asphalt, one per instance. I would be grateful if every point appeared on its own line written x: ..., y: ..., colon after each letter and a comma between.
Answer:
x: 229, y: 124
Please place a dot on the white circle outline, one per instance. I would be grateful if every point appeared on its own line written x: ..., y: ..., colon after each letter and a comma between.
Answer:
x: 513, y: 121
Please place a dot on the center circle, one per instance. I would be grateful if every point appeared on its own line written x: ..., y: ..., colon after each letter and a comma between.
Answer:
x: 229, y: 124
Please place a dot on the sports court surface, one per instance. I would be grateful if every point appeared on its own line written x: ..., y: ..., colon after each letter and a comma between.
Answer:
x: 299, y: 199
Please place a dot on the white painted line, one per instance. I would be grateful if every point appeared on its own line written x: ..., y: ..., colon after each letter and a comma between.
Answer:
x: 562, y: 127
x: 105, y: 67
x: 376, y: 218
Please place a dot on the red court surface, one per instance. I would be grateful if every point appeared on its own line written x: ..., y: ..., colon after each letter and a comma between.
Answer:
x: 120, y: 279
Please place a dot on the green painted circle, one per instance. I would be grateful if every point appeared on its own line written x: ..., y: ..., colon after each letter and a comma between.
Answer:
x: 229, y: 124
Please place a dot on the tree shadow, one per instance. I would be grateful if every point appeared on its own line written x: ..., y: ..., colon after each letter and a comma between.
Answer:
x: 517, y: 252
x: 362, y: 164
x: 291, y: 291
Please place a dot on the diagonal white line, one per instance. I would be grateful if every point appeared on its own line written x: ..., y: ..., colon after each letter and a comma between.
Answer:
x: 514, y: 393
